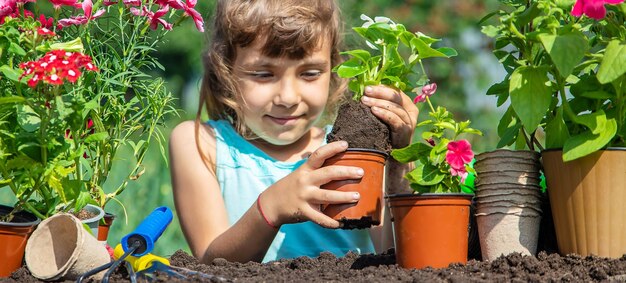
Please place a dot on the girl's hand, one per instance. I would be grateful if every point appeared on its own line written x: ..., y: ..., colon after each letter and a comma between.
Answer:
x: 298, y: 196
x: 394, y: 108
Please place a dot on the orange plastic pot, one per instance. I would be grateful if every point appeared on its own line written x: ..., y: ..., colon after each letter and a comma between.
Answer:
x: 105, y: 226
x: 430, y: 229
x: 13, y: 237
x: 367, y: 211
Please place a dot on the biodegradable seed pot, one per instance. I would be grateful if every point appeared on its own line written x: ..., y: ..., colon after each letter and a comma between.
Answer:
x: 366, y: 212
x: 13, y: 237
x: 430, y: 229
x: 508, y: 202
x: 61, y: 248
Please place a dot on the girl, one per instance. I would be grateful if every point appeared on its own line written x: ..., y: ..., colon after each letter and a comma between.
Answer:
x: 257, y: 164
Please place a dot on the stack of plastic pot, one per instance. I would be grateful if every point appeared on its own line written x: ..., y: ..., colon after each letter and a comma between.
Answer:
x: 508, y: 202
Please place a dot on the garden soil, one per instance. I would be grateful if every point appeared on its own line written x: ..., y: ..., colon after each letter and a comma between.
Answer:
x: 356, y: 124
x: 546, y: 267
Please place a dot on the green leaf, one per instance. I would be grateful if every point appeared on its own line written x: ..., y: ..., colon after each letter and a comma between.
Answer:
x: 424, y: 50
x: 16, y: 49
x: 351, y: 68
x: 597, y: 94
x: 556, y: 131
x: 360, y: 54
x: 10, y: 73
x: 97, y: 137
x: 601, y: 132
x: 426, y: 175
x: 411, y: 153
x: 613, y: 64
x: 566, y: 50
x: 12, y: 99
x: 530, y: 95
x: 27, y: 118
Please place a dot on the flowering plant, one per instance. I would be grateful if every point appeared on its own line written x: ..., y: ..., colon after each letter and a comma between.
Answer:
x: 74, y: 89
x: 442, y: 160
x: 566, y: 63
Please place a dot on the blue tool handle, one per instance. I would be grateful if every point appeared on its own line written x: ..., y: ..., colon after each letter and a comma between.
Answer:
x: 148, y: 231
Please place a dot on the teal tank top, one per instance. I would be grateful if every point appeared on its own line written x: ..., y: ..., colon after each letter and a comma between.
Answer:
x: 244, y: 171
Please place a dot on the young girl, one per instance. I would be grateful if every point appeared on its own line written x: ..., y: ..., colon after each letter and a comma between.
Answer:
x: 256, y: 165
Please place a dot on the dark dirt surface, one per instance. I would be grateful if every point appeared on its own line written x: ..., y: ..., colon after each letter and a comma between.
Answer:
x: 357, y: 125
x: 547, y: 266
x: 382, y: 268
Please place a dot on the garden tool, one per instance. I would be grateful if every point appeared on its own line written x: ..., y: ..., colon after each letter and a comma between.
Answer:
x: 148, y: 265
x: 137, y: 243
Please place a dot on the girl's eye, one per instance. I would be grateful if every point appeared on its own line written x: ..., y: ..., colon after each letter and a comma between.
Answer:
x: 311, y: 75
x: 263, y: 75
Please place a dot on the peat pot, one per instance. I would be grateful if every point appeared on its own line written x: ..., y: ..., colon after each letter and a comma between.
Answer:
x: 366, y: 212
x: 587, y: 200
x: 13, y: 237
x: 61, y: 248
x: 430, y: 229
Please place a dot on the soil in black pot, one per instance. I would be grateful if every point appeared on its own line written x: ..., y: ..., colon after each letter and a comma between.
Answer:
x: 357, y: 125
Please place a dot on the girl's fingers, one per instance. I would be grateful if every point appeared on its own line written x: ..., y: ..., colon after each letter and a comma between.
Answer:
x: 320, y: 218
x: 394, y: 104
x: 322, y: 196
x: 334, y: 172
x: 317, y: 158
x: 384, y: 93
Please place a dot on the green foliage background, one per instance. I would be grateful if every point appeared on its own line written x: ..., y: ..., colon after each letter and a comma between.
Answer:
x: 462, y: 82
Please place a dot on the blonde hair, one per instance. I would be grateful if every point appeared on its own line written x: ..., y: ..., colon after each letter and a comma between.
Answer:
x: 290, y: 28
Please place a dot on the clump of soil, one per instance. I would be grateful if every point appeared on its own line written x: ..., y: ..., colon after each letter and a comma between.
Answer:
x: 356, y: 124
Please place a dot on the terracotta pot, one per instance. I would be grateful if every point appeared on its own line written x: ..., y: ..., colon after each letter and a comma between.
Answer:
x: 13, y: 238
x: 104, y: 226
x: 587, y: 200
x: 430, y: 229
x: 367, y: 211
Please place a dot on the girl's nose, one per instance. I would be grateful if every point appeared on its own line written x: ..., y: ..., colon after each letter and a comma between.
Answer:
x: 288, y: 93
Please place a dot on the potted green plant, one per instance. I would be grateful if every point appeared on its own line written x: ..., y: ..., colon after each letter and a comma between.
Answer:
x: 76, y: 89
x: 431, y: 225
x: 394, y: 59
x: 566, y: 80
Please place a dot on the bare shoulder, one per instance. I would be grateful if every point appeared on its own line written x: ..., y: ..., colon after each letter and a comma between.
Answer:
x: 185, y: 145
x: 184, y: 134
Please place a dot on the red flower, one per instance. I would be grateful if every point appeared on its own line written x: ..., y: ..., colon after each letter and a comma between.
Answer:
x: 592, y: 8
x: 46, y: 23
x: 45, y: 32
x: 55, y: 67
x: 459, y: 153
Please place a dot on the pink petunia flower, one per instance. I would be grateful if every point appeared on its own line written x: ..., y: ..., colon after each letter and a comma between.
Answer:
x: 459, y: 153
x: 427, y: 91
x: 592, y: 8
x: 7, y: 7
x: 459, y: 172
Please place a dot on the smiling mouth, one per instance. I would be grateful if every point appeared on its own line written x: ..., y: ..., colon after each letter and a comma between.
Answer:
x: 284, y: 120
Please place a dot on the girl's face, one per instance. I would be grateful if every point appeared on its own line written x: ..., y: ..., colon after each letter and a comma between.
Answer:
x: 282, y: 98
